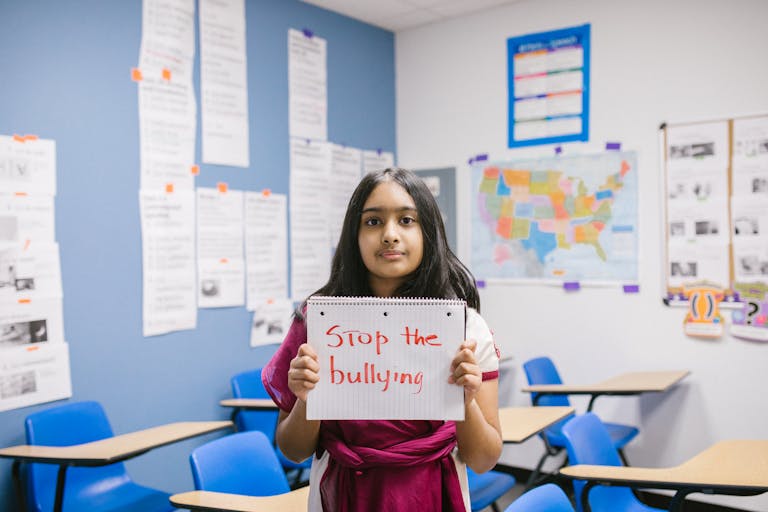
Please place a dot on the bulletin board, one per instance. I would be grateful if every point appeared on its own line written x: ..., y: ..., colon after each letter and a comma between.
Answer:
x: 715, y: 186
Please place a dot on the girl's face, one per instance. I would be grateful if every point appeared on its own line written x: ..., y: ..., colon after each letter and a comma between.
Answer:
x: 390, y: 238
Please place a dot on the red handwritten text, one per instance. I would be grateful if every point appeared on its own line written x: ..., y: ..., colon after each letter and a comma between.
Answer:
x: 417, y: 339
x: 370, y: 375
x: 352, y: 337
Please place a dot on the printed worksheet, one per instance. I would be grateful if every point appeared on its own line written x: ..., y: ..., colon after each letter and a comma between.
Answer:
x: 346, y: 167
x: 26, y: 218
x: 307, y: 85
x: 310, y: 237
x: 266, y: 247
x: 224, y: 83
x: 271, y: 321
x: 167, y: 104
x: 220, y: 260
x: 27, y: 165
x: 168, y: 258
x: 34, y: 374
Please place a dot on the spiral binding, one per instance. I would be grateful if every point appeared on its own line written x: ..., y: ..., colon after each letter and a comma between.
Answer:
x: 320, y: 300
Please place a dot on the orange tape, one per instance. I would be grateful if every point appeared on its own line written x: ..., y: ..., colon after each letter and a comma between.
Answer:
x: 223, y: 260
x: 30, y: 137
x: 136, y: 75
x: 221, y: 187
x: 20, y: 194
x: 166, y: 74
x: 195, y: 170
x: 266, y: 192
x: 32, y: 349
x: 169, y: 187
x: 270, y: 301
x: 27, y: 242
x: 18, y: 138
x: 25, y: 301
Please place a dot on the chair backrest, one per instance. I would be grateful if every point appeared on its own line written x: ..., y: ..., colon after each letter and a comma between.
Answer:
x: 242, y: 463
x: 545, y: 498
x: 542, y: 370
x: 248, y: 385
x: 66, y: 425
x: 588, y: 442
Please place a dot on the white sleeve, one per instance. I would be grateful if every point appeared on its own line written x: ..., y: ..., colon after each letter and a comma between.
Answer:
x: 486, y: 352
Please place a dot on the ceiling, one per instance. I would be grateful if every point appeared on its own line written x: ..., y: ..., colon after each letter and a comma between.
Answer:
x: 398, y: 15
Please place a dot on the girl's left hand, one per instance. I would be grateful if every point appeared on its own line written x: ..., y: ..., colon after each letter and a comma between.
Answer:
x: 465, y: 371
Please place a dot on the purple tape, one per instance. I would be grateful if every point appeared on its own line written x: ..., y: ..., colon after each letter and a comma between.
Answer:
x: 613, y: 146
x: 481, y: 158
x: 631, y: 288
x: 307, y: 32
x: 558, y: 150
x: 480, y: 283
x: 571, y: 286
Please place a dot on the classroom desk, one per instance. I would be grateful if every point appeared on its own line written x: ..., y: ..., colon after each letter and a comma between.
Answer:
x: 633, y: 383
x: 521, y: 423
x: 736, y: 467
x: 294, y: 501
x: 105, y: 451
x: 248, y: 404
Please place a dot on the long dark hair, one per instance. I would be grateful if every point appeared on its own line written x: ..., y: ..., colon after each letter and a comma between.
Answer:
x: 440, y: 274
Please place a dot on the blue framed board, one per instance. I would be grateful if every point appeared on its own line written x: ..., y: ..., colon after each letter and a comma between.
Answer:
x: 548, y: 75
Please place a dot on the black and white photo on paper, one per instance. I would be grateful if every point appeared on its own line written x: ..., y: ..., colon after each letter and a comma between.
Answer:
x: 683, y: 269
x: 695, y: 150
x: 753, y: 265
x: 706, y: 227
x: 17, y: 384
x: 677, y: 228
x: 23, y: 333
x: 746, y: 225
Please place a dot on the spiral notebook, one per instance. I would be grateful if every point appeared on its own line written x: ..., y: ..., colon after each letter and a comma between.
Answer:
x: 385, y: 358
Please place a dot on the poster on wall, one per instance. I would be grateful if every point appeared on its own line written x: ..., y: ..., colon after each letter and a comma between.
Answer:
x: 557, y: 219
x: 549, y: 86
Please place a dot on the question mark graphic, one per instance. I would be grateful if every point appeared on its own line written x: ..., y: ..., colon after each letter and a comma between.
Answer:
x: 754, y: 308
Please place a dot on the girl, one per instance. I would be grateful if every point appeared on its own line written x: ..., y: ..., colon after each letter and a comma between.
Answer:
x: 392, y: 244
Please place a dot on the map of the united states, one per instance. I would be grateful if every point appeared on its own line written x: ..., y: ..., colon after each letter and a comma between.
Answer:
x: 551, y: 209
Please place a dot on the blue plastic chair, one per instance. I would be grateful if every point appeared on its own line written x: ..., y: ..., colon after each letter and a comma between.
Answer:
x: 486, y: 488
x: 248, y: 385
x: 86, y: 488
x: 542, y: 370
x: 588, y: 442
x: 545, y: 498
x: 241, y: 463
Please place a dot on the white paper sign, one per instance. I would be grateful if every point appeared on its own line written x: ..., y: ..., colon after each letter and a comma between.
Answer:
x: 385, y: 358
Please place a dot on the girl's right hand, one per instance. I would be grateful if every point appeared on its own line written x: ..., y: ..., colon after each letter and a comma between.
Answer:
x: 303, y: 374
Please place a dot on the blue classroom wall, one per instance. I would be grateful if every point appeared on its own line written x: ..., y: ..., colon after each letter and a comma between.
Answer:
x: 65, y: 70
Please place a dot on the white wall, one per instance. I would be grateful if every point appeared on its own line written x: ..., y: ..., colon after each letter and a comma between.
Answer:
x: 652, y: 61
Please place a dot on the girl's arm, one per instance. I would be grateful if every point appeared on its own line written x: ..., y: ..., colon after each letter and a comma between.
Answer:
x: 296, y: 436
x: 479, y: 435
